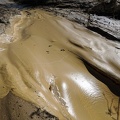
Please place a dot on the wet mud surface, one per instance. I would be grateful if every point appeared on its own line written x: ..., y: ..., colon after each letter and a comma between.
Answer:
x: 52, y: 66
x: 66, y: 69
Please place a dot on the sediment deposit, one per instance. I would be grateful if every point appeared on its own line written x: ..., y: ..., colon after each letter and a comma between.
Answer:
x: 41, y: 61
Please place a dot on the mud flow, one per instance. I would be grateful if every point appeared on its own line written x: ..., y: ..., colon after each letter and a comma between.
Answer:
x: 41, y: 62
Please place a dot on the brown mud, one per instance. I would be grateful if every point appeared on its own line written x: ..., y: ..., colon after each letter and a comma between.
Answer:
x: 40, y: 64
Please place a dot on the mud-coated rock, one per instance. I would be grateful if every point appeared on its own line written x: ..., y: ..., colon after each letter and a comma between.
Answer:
x: 6, y: 12
x: 80, y: 11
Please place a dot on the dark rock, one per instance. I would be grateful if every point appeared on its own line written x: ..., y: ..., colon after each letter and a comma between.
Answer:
x: 80, y: 11
x: 15, y: 108
x: 6, y: 12
x: 111, y: 8
x: 107, y: 27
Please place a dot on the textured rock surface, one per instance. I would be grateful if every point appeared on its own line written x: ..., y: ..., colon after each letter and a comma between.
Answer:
x: 80, y: 11
x: 15, y: 108
x: 107, y: 27
x: 6, y: 12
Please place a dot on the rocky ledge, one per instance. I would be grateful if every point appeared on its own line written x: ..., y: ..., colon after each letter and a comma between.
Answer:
x: 85, y: 12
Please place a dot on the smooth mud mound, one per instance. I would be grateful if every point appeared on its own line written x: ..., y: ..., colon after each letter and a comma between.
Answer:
x: 41, y: 61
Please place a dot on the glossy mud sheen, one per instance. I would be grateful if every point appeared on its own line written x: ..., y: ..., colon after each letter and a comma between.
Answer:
x: 40, y: 61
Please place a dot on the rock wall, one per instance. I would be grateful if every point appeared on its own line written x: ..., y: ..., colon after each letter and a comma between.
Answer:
x: 86, y: 12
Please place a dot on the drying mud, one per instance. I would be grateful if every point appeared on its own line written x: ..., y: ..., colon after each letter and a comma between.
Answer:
x: 41, y: 62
